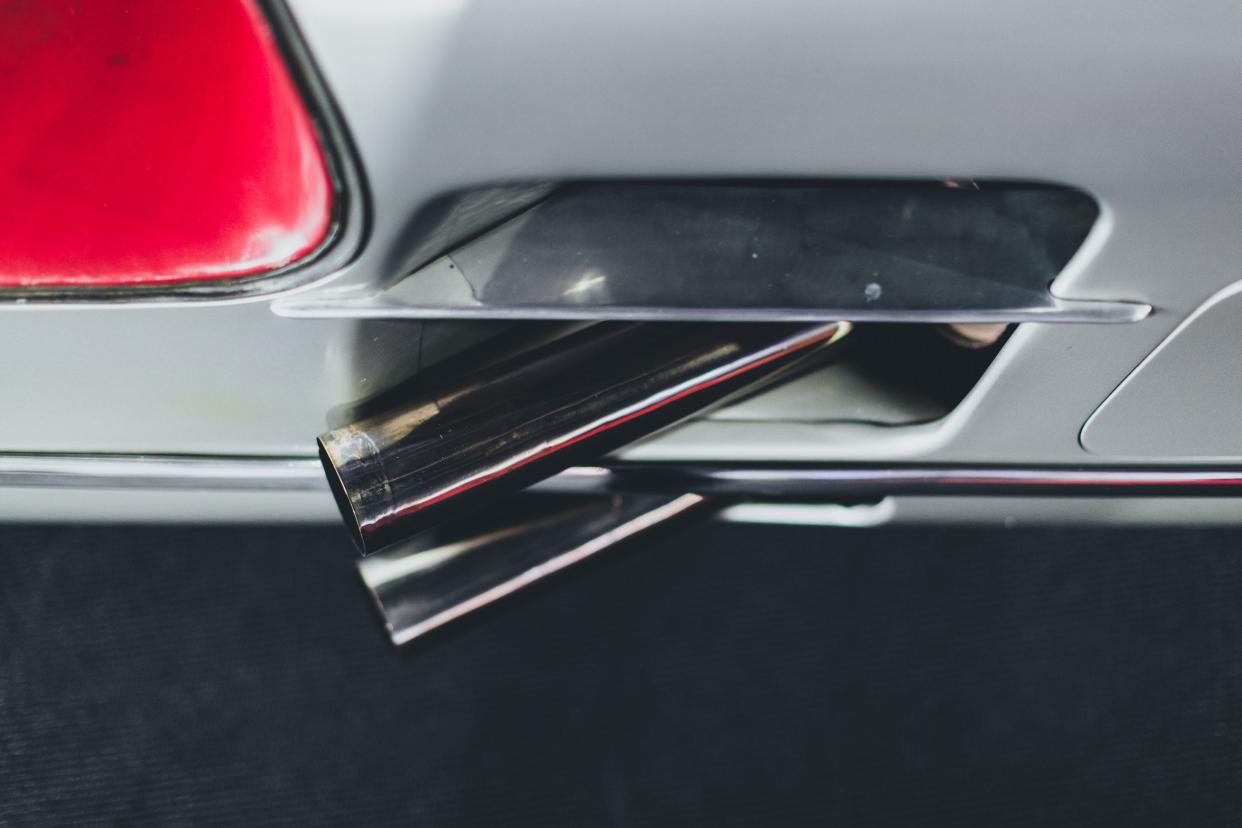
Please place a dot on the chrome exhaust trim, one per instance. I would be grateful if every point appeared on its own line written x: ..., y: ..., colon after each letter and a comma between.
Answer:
x: 823, y: 482
x: 493, y: 431
x: 832, y: 483
x: 466, y: 565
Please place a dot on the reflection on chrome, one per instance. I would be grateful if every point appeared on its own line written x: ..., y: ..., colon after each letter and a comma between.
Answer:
x: 466, y: 565
x: 859, y: 516
x: 486, y: 433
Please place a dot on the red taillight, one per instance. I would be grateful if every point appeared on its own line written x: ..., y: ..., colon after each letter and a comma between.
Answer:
x: 151, y: 142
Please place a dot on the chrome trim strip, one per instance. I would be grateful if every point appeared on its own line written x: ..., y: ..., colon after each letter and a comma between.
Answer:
x: 293, y: 474
x: 104, y: 471
x: 860, y: 516
x: 382, y: 306
x: 805, y: 482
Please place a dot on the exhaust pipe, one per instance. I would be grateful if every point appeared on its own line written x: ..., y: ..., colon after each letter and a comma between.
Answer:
x: 462, y: 567
x: 487, y: 433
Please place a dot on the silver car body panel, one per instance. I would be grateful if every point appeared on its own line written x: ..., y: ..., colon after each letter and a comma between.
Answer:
x: 1135, y: 104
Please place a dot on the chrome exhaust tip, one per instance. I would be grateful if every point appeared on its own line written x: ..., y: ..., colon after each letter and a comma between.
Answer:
x: 484, y: 433
x: 462, y: 567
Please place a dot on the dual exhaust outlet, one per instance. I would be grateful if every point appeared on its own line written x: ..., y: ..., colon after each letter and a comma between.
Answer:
x: 452, y: 456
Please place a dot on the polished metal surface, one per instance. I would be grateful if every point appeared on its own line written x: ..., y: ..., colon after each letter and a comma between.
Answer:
x: 276, y: 474
x: 405, y: 302
x: 964, y: 252
x: 482, y: 434
x: 814, y: 483
x: 466, y: 565
x: 161, y: 472
x: 857, y: 516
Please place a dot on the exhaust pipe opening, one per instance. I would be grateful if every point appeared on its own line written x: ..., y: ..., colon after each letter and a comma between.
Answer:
x: 340, y: 494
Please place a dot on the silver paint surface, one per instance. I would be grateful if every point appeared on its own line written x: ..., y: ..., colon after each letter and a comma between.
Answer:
x: 1136, y: 104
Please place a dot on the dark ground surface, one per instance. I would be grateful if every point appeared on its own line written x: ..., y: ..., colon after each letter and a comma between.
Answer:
x: 721, y: 675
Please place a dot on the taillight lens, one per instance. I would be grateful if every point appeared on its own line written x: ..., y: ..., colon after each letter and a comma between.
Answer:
x: 151, y: 142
